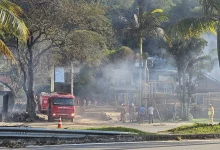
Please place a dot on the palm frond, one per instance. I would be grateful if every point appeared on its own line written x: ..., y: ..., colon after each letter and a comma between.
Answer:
x: 201, y: 58
x: 10, y: 20
x: 210, y: 6
x: 136, y: 20
x: 157, y: 11
x: 192, y: 27
x: 5, y: 50
x: 15, y: 9
x: 153, y: 19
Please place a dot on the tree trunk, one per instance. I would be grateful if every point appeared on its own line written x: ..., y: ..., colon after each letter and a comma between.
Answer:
x: 189, y: 93
x: 30, y: 94
x: 184, y: 97
x: 31, y: 105
x: 179, y: 80
x: 145, y: 56
x: 140, y: 71
x: 180, y: 92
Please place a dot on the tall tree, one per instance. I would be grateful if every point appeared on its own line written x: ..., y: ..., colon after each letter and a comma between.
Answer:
x: 196, y: 26
x: 194, y: 69
x: 184, y: 53
x: 51, y: 24
x: 145, y: 24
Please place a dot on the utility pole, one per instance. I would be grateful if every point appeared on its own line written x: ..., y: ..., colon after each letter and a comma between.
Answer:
x: 72, y: 77
x: 52, y: 79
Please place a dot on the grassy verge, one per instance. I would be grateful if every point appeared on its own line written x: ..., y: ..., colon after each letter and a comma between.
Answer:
x: 196, y: 128
x: 121, y: 129
x: 204, y: 120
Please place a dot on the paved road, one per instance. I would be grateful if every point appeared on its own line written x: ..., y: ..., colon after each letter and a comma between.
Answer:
x: 170, y: 145
x: 78, y: 125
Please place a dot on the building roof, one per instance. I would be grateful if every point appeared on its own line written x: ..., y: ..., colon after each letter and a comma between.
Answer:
x: 125, y: 89
x: 207, y: 83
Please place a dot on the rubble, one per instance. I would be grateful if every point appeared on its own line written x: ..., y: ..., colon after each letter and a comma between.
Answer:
x: 105, y: 117
x: 21, y: 117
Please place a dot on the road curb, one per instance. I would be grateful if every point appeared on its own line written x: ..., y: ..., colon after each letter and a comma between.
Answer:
x: 180, y: 137
x: 23, y: 142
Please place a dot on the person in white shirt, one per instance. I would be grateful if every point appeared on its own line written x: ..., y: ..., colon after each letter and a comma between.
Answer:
x: 151, y: 113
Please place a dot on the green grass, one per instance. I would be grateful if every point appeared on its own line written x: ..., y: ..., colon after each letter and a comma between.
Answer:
x: 196, y: 128
x: 121, y: 129
x: 204, y: 120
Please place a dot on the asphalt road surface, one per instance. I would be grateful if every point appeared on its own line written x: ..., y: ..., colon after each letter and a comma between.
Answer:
x: 168, y: 145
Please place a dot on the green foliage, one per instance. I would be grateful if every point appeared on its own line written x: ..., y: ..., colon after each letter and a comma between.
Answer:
x: 196, y: 129
x: 118, y: 4
x: 10, y: 22
x: 184, y: 51
x: 121, y: 129
x: 122, y: 54
x: 86, y: 82
x: 192, y: 27
x: 163, y: 4
x: 210, y: 6
x: 88, y: 16
x: 147, y: 24
x: 196, y: 26
x: 183, y: 9
x: 86, y: 75
x: 85, y: 46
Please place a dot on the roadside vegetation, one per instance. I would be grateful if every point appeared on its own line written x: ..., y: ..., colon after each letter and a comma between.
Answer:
x: 197, y: 128
x: 203, y: 120
x: 121, y: 129
x: 97, y: 36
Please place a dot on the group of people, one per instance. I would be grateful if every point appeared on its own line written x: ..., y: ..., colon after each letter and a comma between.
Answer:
x: 140, y: 113
x: 137, y: 113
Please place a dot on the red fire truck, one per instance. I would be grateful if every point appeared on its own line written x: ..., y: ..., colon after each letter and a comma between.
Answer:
x: 59, y: 104
x: 43, y: 102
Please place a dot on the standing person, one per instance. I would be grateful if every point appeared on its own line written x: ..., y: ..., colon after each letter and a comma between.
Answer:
x: 151, y: 114
x: 84, y: 104
x: 211, y: 113
x: 123, y: 113
x: 174, y: 111
x: 131, y: 112
x: 89, y: 103
x: 95, y: 103
x: 142, y: 113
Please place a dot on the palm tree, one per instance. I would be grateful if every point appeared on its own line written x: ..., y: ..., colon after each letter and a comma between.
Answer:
x: 185, y: 53
x: 194, y: 68
x: 146, y: 23
x: 192, y: 27
x: 10, y: 22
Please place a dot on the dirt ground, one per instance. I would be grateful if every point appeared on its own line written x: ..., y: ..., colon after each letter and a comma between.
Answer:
x: 91, y: 118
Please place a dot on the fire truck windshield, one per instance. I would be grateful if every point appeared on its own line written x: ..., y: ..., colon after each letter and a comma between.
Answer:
x: 63, y: 101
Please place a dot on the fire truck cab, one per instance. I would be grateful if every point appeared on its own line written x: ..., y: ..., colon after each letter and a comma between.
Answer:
x: 61, y: 104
